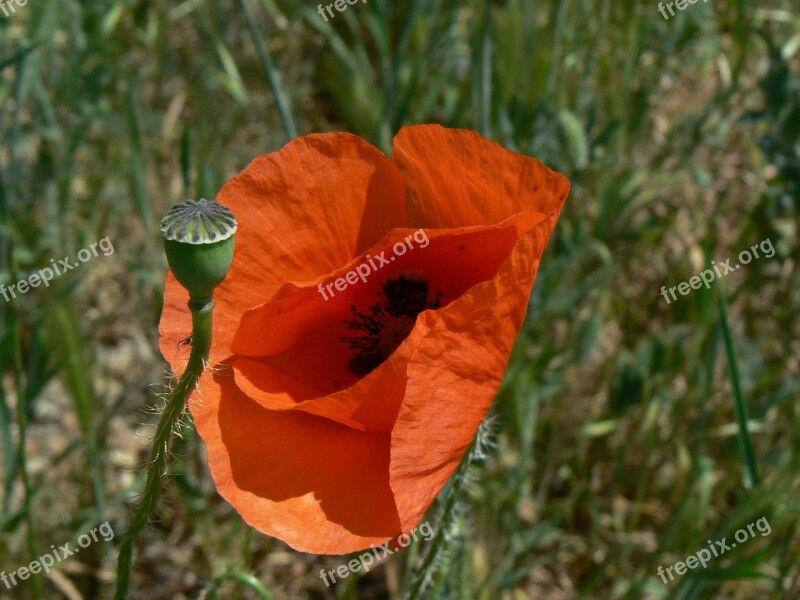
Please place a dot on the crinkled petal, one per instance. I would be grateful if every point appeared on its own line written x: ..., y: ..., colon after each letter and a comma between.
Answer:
x: 458, y: 178
x: 303, y: 211
x: 319, y: 486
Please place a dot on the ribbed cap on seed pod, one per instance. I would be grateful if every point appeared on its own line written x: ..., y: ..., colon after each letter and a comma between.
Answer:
x: 199, y: 240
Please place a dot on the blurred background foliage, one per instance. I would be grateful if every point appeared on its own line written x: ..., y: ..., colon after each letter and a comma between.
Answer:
x: 621, y: 432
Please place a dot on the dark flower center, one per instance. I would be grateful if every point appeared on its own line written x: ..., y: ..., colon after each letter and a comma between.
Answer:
x: 388, y: 322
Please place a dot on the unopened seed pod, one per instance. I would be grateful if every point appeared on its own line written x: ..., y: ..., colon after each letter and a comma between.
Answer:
x: 199, y: 240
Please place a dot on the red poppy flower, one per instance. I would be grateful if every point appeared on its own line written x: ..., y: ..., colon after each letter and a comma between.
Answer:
x: 339, y: 405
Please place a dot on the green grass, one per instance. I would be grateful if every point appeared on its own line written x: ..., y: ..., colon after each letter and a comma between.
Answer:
x: 628, y: 431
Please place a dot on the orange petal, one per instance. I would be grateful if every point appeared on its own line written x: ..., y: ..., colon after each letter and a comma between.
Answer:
x: 457, y: 178
x: 304, y: 364
x: 319, y: 486
x: 303, y: 211
x: 465, y: 353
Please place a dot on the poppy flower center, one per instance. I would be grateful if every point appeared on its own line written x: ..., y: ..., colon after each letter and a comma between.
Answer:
x: 389, y: 321
x: 312, y: 346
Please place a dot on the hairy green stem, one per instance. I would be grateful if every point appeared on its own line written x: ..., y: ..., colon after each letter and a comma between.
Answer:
x: 159, y: 454
x: 448, y: 512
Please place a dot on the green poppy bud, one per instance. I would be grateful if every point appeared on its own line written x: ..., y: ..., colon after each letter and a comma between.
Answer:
x: 199, y: 239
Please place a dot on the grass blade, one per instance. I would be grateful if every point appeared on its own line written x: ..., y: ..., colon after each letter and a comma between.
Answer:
x: 741, y: 407
x: 271, y: 73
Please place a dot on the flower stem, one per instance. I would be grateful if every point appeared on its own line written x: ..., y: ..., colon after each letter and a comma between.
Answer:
x: 159, y: 454
x: 448, y: 515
